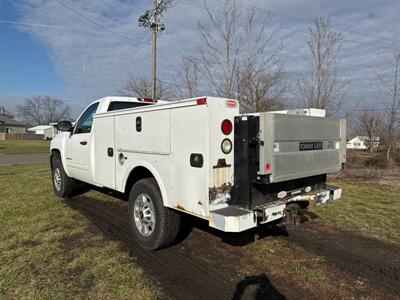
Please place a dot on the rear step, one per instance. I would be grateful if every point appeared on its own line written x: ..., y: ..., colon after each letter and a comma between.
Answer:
x: 236, y: 219
x: 233, y: 219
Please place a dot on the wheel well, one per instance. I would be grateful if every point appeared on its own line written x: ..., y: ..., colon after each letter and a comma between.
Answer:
x: 135, y: 175
x: 303, y: 204
x: 54, y: 152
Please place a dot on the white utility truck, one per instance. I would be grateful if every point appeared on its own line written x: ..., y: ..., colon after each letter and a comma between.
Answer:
x: 199, y: 156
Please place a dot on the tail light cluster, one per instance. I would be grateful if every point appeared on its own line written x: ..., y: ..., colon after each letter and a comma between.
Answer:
x: 226, y: 128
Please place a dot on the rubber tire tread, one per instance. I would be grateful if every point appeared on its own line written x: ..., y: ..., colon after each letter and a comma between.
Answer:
x: 67, y: 183
x: 167, y: 220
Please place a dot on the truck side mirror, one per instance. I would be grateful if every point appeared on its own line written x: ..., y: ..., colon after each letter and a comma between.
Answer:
x: 64, y: 125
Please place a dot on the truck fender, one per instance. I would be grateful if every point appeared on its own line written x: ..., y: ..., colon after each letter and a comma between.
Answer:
x: 58, y: 145
x: 153, y: 171
x: 61, y: 154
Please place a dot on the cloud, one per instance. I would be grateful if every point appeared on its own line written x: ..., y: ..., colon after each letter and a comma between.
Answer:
x: 95, y: 62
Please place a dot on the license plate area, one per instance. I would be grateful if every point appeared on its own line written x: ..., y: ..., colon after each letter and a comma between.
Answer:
x: 309, y: 146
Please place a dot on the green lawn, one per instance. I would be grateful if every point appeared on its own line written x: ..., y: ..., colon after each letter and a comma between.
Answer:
x: 368, y: 209
x: 365, y: 209
x: 50, y: 251
x: 22, y: 146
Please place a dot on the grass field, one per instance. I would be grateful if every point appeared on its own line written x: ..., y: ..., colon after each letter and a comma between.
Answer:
x: 369, y: 209
x: 22, y: 146
x: 49, y: 251
x: 365, y: 209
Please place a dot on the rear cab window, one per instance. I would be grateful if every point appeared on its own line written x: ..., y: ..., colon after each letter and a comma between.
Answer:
x: 117, y: 105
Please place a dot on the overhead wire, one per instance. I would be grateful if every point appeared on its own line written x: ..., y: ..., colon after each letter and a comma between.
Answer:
x: 135, y: 43
x: 108, y: 30
x: 311, y: 21
x: 94, y: 22
x: 294, y: 29
x: 30, y: 24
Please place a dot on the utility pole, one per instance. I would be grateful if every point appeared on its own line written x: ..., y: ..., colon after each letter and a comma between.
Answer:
x: 154, y: 53
x: 151, y: 19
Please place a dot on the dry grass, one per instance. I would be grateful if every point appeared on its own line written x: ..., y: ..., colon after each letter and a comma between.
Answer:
x: 50, y: 251
x: 22, y: 146
x: 367, y: 209
x: 360, y: 159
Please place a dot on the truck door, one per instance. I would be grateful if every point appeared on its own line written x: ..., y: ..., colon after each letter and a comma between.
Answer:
x: 79, y: 144
x: 104, y: 149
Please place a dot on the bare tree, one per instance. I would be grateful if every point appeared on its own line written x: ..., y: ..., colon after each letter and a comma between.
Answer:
x: 141, y: 87
x: 236, y: 59
x: 189, y: 78
x: 43, y: 109
x: 370, y: 122
x: 262, y: 90
x: 390, y: 86
x: 322, y: 87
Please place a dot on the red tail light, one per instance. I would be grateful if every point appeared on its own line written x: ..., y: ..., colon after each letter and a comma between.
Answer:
x: 226, y: 127
x: 201, y: 101
x: 147, y: 99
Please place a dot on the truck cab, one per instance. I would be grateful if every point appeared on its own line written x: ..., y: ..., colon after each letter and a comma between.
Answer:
x: 75, y: 145
x: 199, y: 156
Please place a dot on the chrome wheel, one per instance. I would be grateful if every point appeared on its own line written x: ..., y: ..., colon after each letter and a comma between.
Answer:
x: 57, y: 179
x: 144, y: 214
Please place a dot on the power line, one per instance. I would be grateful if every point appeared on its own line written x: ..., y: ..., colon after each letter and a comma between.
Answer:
x: 132, y: 42
x: 108, y: 30
x: 310, y: 21
x: 293, y: 29
x: 97, y: 24
x: 30, y: 24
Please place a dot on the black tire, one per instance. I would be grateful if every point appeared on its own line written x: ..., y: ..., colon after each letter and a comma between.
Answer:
x: 63, y: 185
x: 166, y: 226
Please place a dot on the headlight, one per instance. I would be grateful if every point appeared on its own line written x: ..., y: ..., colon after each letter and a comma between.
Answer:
x: 226, y: 146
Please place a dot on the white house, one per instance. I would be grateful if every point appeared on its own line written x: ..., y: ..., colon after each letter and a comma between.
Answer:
x: 48, y: 131
x: 362, y: 143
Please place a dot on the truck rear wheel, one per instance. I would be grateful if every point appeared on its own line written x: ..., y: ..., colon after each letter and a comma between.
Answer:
x: 153, y: 225
x: 63, y: 185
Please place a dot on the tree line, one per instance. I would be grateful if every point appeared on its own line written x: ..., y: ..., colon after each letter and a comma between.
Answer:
x: 236, y: 56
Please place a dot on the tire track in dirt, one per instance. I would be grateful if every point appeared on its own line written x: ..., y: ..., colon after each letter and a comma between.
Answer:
x: 204, y: 267
x: 184, y: 270
x: 374, y: 260
x: 181, y: 274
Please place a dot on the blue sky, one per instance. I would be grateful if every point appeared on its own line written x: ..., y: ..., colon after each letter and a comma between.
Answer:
x: 75, y: 60
x: 25, y: 65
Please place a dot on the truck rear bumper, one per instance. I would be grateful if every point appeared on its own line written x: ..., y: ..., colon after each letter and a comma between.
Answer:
x: 237, y: 219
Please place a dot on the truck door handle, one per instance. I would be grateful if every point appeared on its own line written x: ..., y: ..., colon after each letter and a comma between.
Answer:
x: 110, y: 152
x: 83, y: 143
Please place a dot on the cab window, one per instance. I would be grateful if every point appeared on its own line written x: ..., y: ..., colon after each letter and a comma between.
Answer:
x: 117, y: 105
x: 85, y: 122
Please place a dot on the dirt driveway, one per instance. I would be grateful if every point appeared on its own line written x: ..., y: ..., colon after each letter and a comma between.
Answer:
x: 11, y: 159
x: 208, y: 264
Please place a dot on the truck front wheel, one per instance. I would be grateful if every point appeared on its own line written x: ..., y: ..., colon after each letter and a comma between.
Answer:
x: 62, y: 184
x: 153, y: 225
